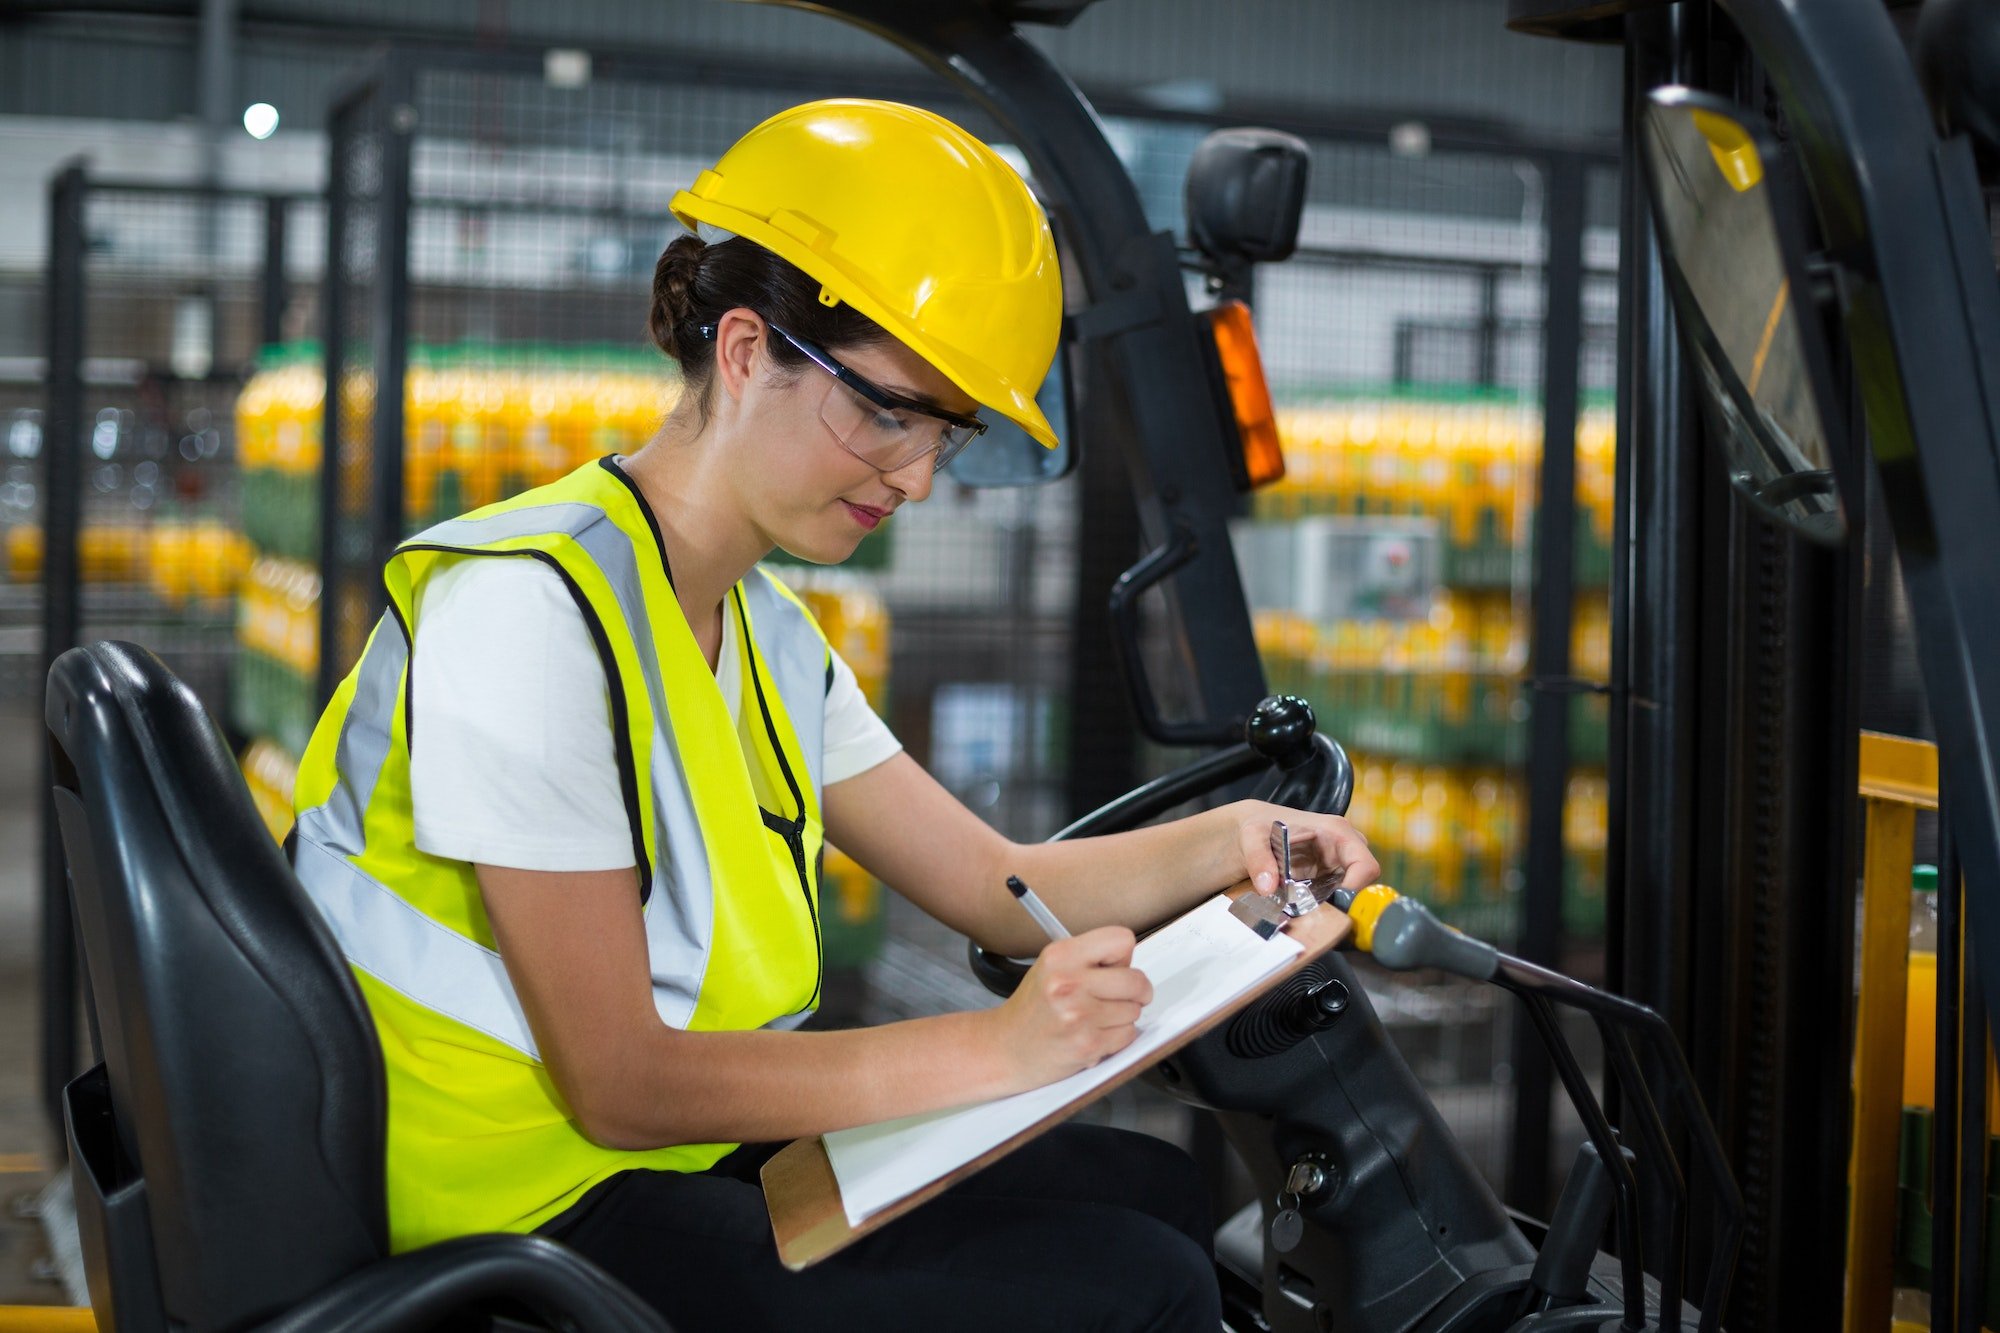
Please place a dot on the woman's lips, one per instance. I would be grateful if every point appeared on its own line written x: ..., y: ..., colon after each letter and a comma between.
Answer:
x: 864, y: 515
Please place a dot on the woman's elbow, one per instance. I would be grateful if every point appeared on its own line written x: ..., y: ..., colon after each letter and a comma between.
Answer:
x: 616, y: 1134
x: 605, y: 1108
x: 609, y: 1121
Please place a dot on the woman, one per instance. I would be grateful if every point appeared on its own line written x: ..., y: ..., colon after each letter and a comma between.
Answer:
x: 584, y: 909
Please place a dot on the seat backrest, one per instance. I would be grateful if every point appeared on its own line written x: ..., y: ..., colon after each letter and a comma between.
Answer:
x: 244, y: 1075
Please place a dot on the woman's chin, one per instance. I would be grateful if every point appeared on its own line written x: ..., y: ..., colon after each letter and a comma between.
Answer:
x: 821, y: 550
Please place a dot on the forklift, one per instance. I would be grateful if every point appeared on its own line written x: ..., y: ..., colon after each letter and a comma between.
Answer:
x: 1806, y: 269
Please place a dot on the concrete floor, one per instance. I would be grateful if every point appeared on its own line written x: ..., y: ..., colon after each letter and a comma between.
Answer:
x: 26, y: 1146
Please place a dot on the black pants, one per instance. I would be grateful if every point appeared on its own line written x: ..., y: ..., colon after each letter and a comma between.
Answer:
x: 1081, y: 1229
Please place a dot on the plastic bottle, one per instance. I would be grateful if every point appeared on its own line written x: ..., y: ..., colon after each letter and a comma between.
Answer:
x: 1920, y: 1029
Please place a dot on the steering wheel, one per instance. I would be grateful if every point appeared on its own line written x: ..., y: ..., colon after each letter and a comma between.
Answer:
x: 1307, y: 771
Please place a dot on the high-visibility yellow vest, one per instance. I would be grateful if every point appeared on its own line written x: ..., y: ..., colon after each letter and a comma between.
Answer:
x: 726, y: 832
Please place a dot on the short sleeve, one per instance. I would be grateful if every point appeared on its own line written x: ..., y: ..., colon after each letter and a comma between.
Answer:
x: 512, y: 761
x: 856, y: 739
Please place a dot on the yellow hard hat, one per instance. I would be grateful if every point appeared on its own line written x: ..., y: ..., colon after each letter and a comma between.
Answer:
x: 914, y: 223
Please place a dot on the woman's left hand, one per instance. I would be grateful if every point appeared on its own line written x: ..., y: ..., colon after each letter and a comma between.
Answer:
x: 1320, y: 844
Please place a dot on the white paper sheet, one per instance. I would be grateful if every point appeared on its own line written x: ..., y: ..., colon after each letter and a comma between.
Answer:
x: 1197, y: 965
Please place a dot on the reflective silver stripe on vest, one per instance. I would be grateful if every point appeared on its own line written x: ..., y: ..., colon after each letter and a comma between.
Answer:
x: 363, y: 746
x: 455, y: 975
x: 405, y: 950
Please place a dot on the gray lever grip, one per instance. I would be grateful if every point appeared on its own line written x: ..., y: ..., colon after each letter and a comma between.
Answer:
x: 1407, y: 936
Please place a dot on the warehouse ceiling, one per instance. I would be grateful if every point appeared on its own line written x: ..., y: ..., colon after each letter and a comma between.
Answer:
x: 138, y: 59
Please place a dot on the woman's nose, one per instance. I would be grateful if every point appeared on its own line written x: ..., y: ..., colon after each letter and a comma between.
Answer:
x: 913, y: 479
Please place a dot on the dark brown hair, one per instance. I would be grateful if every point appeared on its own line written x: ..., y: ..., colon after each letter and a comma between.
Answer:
x: 695, y: 283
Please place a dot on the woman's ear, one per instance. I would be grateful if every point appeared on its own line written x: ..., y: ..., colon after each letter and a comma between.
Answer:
x: 739, y: 336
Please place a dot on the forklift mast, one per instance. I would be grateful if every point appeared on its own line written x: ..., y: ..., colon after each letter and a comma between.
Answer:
x: 1734, y: 827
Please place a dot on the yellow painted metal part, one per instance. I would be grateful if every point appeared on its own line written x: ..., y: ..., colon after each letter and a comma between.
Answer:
x: 1898, y: 777
x: 1895, y: 768
x: 1878, y: 1064
x: 47, y: 1319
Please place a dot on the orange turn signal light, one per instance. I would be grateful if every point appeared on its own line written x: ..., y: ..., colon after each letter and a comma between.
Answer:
x: 1249, y: 396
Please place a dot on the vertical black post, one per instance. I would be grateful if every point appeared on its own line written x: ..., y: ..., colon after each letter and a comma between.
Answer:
x: 1958, y: 1249
x: 1549, y: 704
x: 1656, y: 626
x: 1102, y: 762
x: 1487, y: 374
x: 62, y: 506
x: 272, y: 328
x: 1974, y: 1042
x: 341, y: 127
x: 1943, y: 1186
x: 340, y: 130
x: 390, y: 326
x: 1951, y: 989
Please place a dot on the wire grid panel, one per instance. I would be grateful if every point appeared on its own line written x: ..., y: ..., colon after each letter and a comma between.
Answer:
x: 173, y: 284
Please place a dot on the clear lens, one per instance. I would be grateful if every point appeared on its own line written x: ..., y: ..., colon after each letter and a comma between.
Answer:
x: 889, y: 439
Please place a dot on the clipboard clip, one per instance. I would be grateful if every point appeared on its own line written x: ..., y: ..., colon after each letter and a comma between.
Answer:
x: 1296, y: 894
x: 1300, y: 893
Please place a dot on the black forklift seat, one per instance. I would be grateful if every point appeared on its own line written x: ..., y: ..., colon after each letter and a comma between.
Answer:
x: 227, y: 1153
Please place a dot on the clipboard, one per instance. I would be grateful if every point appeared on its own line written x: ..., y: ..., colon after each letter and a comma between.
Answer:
x: 809, y: 1220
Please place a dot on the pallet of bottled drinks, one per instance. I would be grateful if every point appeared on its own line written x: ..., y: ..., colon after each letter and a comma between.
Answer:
x: 1427, y: 690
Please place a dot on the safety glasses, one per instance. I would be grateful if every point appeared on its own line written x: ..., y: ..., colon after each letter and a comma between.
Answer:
x: 882, y: 429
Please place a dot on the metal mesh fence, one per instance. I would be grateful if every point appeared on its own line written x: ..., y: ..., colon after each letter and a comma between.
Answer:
x: 175, y: 300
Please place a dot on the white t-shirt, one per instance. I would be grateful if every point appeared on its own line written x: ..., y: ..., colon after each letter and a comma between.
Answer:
x: 513, y: 763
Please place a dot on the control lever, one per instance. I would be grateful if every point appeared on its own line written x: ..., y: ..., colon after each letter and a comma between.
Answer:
x: 1576, y: 1233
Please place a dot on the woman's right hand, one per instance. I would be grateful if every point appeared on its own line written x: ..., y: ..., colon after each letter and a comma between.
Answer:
x: 1079, y: 1003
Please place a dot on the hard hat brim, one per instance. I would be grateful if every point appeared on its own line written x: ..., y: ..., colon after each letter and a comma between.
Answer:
x: 1008, y: 400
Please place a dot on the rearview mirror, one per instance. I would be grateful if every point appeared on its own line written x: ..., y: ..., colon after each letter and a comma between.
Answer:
x: 1006, y: 455
x: 1246, y: 190
x: 1735, y: 260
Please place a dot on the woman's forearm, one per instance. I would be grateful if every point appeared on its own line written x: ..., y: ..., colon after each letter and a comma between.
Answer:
x: 743, y: 1087
x: 1137, y: 878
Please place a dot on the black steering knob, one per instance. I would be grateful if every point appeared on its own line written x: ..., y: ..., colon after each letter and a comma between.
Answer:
x: 1281, y: 728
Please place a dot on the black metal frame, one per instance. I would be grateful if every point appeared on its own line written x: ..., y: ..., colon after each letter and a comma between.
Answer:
x: 1906, y: 233
x: 385, y: 89
x: 64, y: 442
x: 1617, y: 1019
x: 1906, y: 248
x: 1550, y: 608
x: 62, y: 499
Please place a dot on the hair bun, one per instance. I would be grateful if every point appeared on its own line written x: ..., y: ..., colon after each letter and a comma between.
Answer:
x: 672, y: 319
